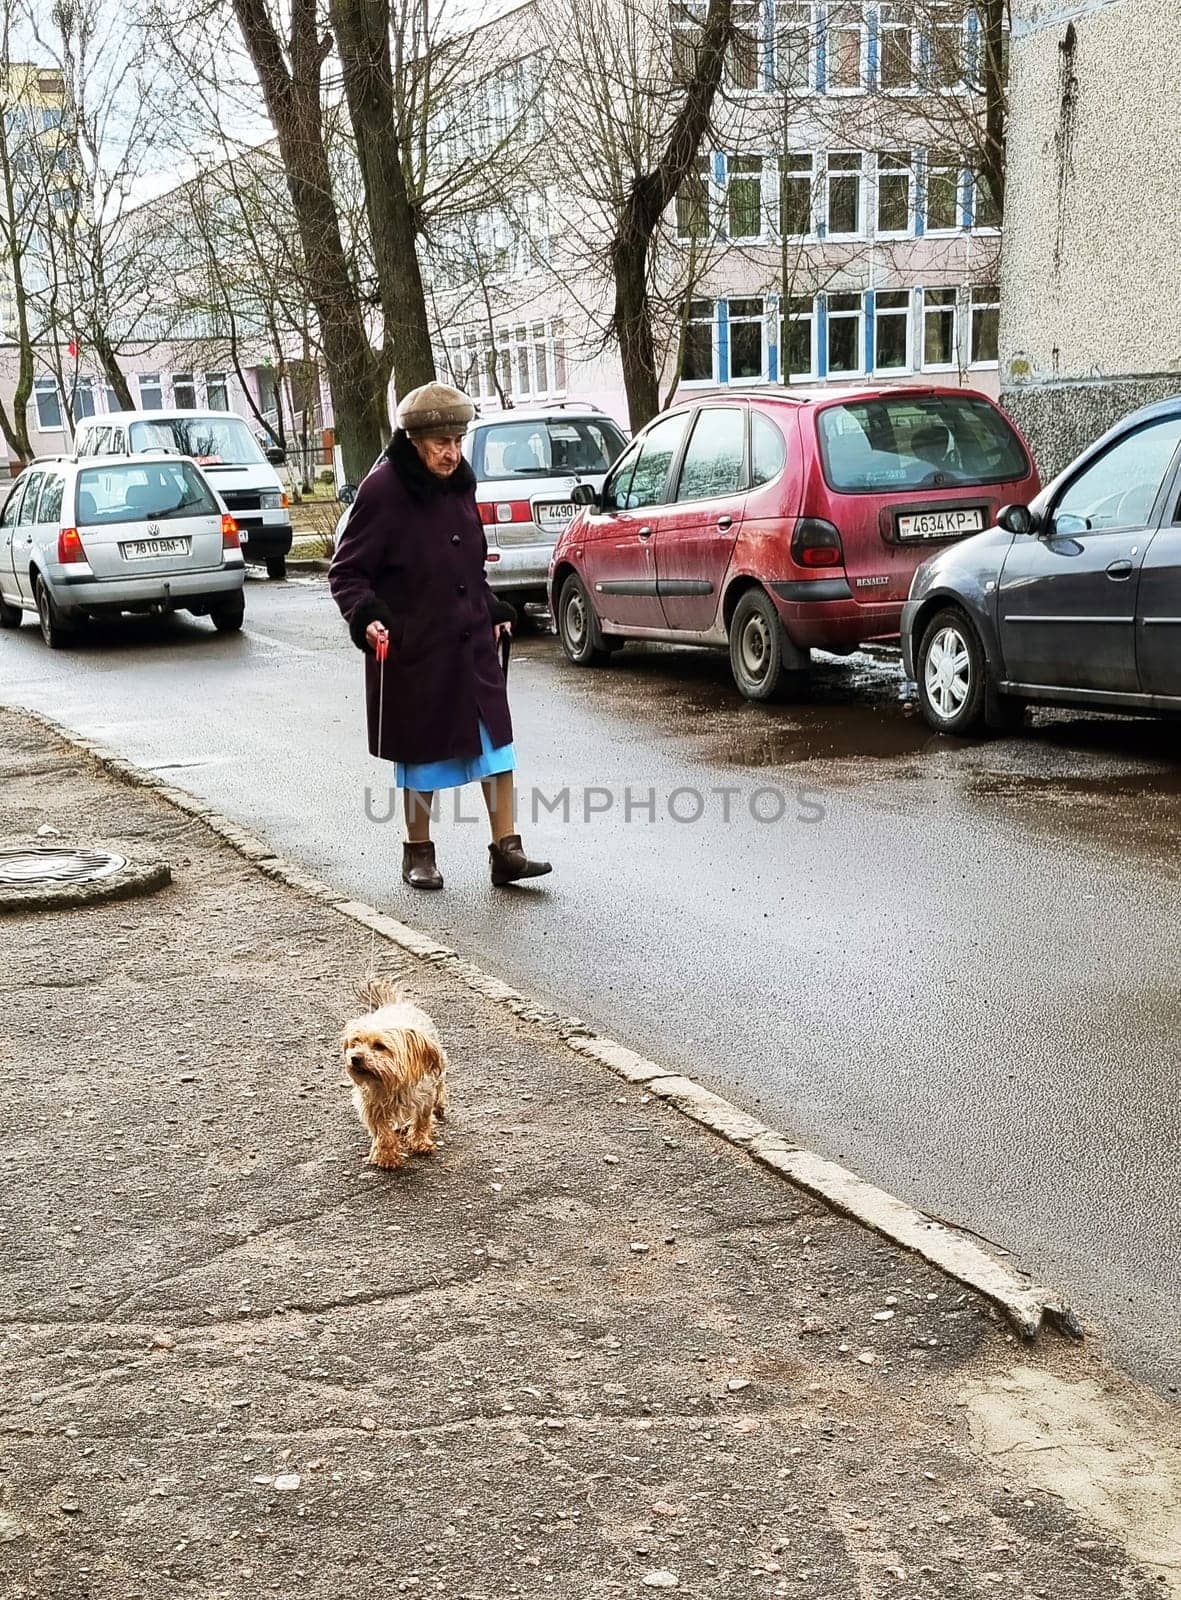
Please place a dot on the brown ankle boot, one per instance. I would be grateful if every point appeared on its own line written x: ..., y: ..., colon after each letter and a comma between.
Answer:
x: 418, y: 866
x: 510, y: 863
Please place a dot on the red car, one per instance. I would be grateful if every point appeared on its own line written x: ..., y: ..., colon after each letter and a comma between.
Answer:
x: 777, y: 523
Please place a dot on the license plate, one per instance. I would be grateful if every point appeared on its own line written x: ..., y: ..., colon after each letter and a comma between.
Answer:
x: 554, y: 515
x: 941, y: 524
x: 146, y: 549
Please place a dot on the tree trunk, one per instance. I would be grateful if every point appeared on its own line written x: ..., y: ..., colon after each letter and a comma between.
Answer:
x: 113, y: 372
x: 357, y: 375
x: 16, y: 426
x: 649, y: 197
x: 362, y: 29
x: 993, y: 18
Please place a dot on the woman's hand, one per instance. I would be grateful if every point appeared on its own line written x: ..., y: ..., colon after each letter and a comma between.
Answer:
x: 502, y: 630
x: 374, y: 633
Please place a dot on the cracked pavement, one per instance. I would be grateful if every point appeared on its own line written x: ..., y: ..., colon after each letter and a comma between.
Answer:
x: 235, y: 1360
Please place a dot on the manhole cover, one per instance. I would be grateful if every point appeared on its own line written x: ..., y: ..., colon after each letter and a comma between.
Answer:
x: 48, y: 867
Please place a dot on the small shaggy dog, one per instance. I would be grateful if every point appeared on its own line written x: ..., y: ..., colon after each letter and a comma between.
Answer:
x: 399, y: 1072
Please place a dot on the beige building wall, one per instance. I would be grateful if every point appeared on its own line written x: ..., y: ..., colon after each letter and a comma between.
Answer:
x: 1091, y: 279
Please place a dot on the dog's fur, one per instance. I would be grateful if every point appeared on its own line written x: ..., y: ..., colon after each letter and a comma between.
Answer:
x: 399, y: 1071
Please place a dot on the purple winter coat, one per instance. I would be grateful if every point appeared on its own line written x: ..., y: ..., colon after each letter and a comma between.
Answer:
x: 412, y: 557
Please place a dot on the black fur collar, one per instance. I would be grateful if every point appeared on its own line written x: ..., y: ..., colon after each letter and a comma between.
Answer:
x: 417, y: 479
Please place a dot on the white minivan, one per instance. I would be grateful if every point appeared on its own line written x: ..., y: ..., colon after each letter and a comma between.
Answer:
x: 222, y: 445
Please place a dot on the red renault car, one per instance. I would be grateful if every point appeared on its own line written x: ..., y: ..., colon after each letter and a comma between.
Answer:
x: 775, y: 523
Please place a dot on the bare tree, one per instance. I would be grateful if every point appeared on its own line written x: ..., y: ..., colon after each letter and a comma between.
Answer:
x: 22, y: 210
x: 362, y: 30
x: 290, y: 71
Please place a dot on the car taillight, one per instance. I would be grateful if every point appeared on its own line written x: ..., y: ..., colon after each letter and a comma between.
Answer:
x: 816, y: 543
x: 229, y: 533
x: 505, y: 511
x: 69, y: 547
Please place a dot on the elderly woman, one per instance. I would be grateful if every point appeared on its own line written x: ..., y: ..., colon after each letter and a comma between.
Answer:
x: 409, y: 572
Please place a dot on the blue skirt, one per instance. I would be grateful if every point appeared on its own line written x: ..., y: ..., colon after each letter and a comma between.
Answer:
x: 425, y: 776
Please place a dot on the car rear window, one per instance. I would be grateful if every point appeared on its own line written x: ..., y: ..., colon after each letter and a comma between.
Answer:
x: 221, y: 441
x: 898, y: 444
x: 141, y: 492
x: 548, y: 448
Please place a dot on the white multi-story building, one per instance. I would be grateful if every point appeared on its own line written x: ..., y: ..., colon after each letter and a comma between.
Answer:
x: 836, y: 228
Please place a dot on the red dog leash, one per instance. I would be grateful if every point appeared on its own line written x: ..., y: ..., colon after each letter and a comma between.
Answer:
x: 381, y: 650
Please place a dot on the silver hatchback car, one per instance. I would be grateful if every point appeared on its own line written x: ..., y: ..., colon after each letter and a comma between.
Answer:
x: 108, y: 534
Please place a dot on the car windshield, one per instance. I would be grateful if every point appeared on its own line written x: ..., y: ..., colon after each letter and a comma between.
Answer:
x: 906, y: 442
x: 142, y: 491
x: 551, y: 447
x: 221, y: 441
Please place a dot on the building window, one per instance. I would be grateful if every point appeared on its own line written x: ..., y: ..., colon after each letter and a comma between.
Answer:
x: 559, y: 335
x: 744, y: 197
x: 698, y: 363
x: 686, y: 32
x: 796, y: 182
x: 986, y: 213
x: 846, y: 322
x: 747, y: 355
x: 693, y: 204
x: 943, y: 191
x: 891, y: 330
x: 799, y: 338
x: 843, y: 210
x: 944, y: 45
x: 895, y: 180
x: 84, y: 401
x: 846, y: 49
x: 541, y: 372
x: 49, y: 406
x: 744, y: 57
x: 184, y: 392
x: 795, y: 48
x: 985, y: 316
x: 896, y: 48
x: 522, y: 385
x: 939, y: 328
x: 529, y: 362
x: 217, y: 395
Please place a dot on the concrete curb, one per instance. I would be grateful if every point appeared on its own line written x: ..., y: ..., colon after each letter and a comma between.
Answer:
x: 1026, y: 1305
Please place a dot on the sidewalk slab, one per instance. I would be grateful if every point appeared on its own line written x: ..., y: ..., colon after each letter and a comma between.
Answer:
x: 586, y: 1346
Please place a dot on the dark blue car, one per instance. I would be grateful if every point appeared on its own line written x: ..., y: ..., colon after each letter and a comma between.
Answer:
x: 1074, y: 599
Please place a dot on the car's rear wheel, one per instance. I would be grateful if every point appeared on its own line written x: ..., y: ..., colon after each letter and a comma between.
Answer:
x: 57, y: 633
x: 228, y: 615
x: 578, y: 626
x: 763, y: 660
x: 276, y: 566
x: 952, y: 674
x: 10, y: 616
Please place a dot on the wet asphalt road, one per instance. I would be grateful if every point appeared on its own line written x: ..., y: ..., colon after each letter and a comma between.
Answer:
x: 952, y: 967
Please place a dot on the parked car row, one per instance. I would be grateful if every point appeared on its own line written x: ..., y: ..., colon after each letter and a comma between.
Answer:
x: 769, y: 523
x: 774, y: 523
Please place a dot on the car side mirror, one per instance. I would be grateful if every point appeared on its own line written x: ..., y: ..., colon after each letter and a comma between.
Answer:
x: 584, y: 494
x: 1018, y: 519
x: 275, y: 454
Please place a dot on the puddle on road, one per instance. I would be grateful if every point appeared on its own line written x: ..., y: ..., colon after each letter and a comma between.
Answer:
x: 1113, y: 780
x: 851, y: 710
